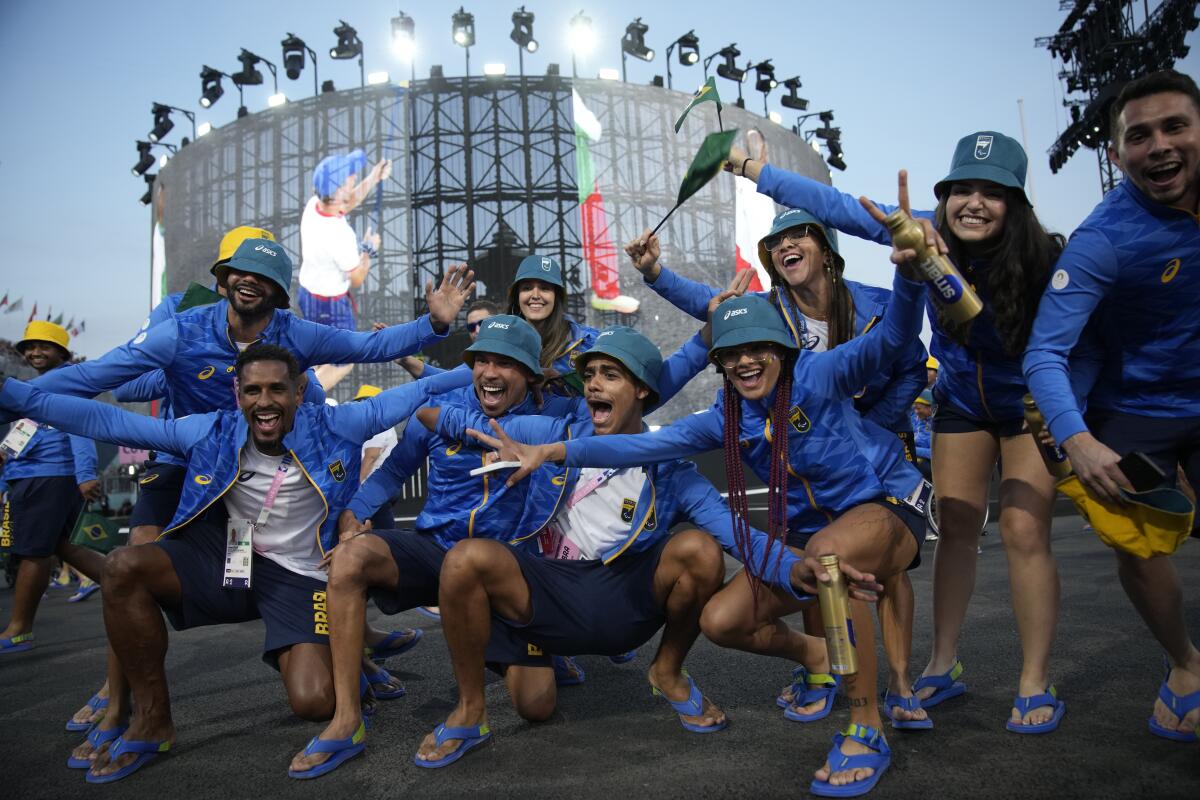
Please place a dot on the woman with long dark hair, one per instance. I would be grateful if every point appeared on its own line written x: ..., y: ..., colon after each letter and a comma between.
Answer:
x: 996, y: 239
x: 538, y: 295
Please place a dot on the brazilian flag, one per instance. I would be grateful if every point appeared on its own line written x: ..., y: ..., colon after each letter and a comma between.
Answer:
x: 197, y: 295
x: 95, y: 531
x: 713, y: 153
x: 707, y: 92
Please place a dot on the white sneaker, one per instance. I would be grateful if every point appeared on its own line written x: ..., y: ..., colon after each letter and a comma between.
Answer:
x: 622, y: 304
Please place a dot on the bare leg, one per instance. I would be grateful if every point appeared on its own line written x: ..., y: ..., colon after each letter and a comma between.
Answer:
x: 33, y: 576
x: 895, y: 611
x: 85, y: 560
x: 1026, y: 505
x: 307, y: 672
x: 962, y: 470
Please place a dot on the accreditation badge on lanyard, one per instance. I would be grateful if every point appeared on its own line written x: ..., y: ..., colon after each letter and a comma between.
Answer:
x: 239, y: 544
x: 17, y: 438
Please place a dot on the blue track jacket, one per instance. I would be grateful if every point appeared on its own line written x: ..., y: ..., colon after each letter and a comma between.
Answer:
x: 581, y: 339
x: 326, y: 441
x: 1129, y: 274
x: 53, y: 453
x: 836, y: 459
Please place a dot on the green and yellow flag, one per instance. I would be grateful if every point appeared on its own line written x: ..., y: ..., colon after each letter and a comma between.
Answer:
x: 713, y: 153
x: 95, y: 531
x: 705, y: 93
x: 197, y: 295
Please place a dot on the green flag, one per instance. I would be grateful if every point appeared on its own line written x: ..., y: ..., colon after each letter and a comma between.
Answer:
x: 706, y: 92
x: 714, y: 152
x: 197, y: 295
x: 58, y: 320
x: 94, y: 531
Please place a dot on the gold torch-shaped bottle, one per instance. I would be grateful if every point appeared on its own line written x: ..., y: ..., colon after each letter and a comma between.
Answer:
x: 1056, y: 460
x: 949, y: 289
x: 835, y: 615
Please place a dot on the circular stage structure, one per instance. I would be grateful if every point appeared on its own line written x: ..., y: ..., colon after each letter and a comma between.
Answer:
x: 486, y: 171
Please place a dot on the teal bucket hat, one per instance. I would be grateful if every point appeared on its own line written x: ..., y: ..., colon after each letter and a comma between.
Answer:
x: 987, y: 156
x: 261, y: 257
x: 745, y: 319
x: 633, y: 350
x: 510, y: 336
x: 794, y: 218
x: 542, y: 268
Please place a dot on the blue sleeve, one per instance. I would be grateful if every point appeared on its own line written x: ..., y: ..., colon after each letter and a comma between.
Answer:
x: 313, y: 391
x: 361, y: 420
x: 162, y: 312
x: 1086, y: 271
x: 897, y: 395
x: 151, y: 349
x: 151, y: 386
x: 454, y: 420
x: 689, y: 296
x: 84, y: 452
x: 441, y: 381
x: 106, y: 423
x: 693, y: 434
x: 385, y: 482
x: 842, y: 371
x: 704, y: 506
x: 325, y: 345
x: 680, y: 367
x: 836, y: 209
x: 430, y: 370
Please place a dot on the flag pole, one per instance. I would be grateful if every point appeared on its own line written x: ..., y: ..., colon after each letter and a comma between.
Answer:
x: 664, y: 219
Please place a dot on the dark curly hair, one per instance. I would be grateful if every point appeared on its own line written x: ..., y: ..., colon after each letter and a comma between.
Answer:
x: 1019, y: 265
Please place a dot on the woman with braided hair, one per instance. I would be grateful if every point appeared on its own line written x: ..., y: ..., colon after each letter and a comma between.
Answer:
x: 838, y: 484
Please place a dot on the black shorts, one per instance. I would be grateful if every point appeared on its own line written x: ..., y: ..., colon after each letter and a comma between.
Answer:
x: 41, y: 513
x: 589, y: 607
x: 912, y: 519
x: 419, y: 558
x: 292, y: 607
x: 158, y: 495
x: 384, y: 519
x: 1167, y: 441
x: 949, y: 418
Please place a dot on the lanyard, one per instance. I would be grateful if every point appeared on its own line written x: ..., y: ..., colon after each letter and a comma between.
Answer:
x: 273, y: 492
x: 591, y: 486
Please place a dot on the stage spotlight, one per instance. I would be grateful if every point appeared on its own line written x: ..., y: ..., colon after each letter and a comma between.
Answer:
x: 146, y: 198
x: 145, y: 160
x: 657, y: 80
x: 793, y: 100
x: 327, y: 86
x: 348, y: 44
x: 249, y: 74
x: 836, y: 159
x: 462, y: 26
x: 634, y: 40
x: 581, y: 37
x: 689, y: 48
x: 293, y: 55
x: 609, y: 74
x: 522, y: 32
x: 162, y: 160
x: 162, y: 121
x: 376, y: 78
x: 203, y: 129
x: 276, y: 100
x: 828, y: 133
x: 494, y: 70
x: 729, y: 69
x: 210, y: 86
x: 775, y: 117
x: 826, y: 117
x: 404, y: 37
x: 764, y: 76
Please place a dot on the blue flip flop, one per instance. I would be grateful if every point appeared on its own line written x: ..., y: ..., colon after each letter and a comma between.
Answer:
x: 1180, y: 707
x: 1024, y: 705
x: 96, y: 738
x: 383, y: 678
x: 909, y: 704
x: 146, y: 752
x: 426, y: 612
x: 340, y: 750
x: 386, y: 647
x: 808, y: 688
x: 97, y: 703
x: 945, y: 686
x: 839, y: 762
x: 623, y: 658
x: 692, y: 707
x: 567, y: 671
x: 85, y: 591
x: 16, y: 644
x: 470, y: 738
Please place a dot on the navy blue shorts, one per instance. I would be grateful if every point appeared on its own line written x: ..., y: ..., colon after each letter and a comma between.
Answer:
x: 589, y: 607
x: 1167, y: 441
x: 41, y: 513
x: 912, y: 519
x: 291, y: 606
x: 383, y: 519
x: 158, y: 495
x: 419, y: 559
x: 337, y: 312
x: 949, y: 418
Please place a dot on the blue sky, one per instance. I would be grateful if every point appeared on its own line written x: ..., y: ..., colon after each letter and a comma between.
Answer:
x: 905, y: 82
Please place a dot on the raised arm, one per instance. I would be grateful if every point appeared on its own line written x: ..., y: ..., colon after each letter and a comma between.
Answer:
x: 143, y: 389
x: 680, y: 367
x: 151, y: 349
x: 404, y: 460
x: 692, y: 434
x: 364, y: 419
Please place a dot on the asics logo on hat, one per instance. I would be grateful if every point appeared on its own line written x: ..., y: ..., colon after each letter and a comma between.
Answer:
x: 606, y: 333
x: 263, y: 248
x: 735, y: 312
x: 501, y: 325
x: 983, y: 147
x: 792, y: 212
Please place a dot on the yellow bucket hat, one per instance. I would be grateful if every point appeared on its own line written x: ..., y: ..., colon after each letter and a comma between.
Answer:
x: 233, y: 239
x: 367, y: 390
x: 42, y: 331
x: 1154, y: 523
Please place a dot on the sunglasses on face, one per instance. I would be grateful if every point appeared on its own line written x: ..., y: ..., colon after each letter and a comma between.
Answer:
x: 757, y: 353
x: 793, y: 235
x: 473, y: 327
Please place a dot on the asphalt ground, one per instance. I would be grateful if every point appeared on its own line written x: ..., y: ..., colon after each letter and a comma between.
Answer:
x: 610, y: 738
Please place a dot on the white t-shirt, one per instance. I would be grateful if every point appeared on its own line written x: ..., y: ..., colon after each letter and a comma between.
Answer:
x: 595, y: 524
x: 817, y: 339
x: 328, y: 252
x: 385, y: 442
x: 290, y: 536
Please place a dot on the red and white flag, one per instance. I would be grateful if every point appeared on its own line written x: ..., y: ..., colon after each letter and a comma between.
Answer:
x: 752, y: 217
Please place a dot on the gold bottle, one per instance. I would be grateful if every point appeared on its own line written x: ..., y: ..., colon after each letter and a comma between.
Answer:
x: 1056, y: 460
x: 948, y: 287
x: 834, y: 598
